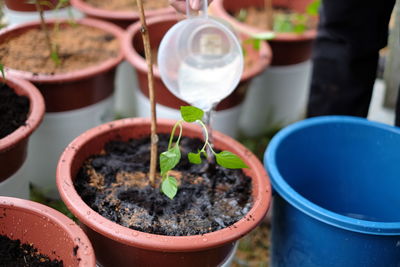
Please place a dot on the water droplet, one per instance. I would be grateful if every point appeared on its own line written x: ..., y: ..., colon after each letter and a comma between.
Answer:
x: 135, y: 233
x: 88, y: 212
x: 205, y: 239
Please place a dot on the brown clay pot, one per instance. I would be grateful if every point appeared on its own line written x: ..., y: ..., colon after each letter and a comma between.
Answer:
x: 49, y: 231
x: 120, y: 18
x: 287, y: 48
x: 158, y: 26
x: 116, y: 245
x: 77, y: 89
x: 25, y: 6
x: 13, y: 147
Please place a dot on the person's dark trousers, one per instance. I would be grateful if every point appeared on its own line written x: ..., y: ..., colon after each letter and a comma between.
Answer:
x: 345, y: 56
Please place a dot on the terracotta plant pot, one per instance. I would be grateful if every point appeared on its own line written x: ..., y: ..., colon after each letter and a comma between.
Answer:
x: 120, y: 18
x: 25, y: 6
x: 158, y: 26
x: 13, y: 147
x: 116, y: 245
x: 287, y: 48
x: 49, y: 231
x: 77, y: 89
x: 75, y: 101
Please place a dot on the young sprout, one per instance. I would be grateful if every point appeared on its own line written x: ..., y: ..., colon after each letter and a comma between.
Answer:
x: 170, y: 158
x: 2, y: 71
x: 53, y: 48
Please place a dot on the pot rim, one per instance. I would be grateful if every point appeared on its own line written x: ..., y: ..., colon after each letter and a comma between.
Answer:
x: 115, y: 15
x: 35, y: 116
x: 75, y: 233
x: 73, y: 75
x: 261, y: 197
x: 218, y: 9
x: 304, y: 205
x: 265, y: 53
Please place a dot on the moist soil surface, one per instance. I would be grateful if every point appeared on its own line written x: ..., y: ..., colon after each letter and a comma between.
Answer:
x: 13, y: 253
x: 79, y: 47
x: 127, y: 5
x: 14, y: 110
x: 115, y: 184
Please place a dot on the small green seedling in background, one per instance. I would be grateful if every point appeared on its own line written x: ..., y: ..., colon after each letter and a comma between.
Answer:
x: 296, y: 22
x: 2, y: 71
x: 170, y: 158
x: 53, y: 48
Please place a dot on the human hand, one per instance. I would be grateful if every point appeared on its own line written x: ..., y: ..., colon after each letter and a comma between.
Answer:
x: 180, y: 5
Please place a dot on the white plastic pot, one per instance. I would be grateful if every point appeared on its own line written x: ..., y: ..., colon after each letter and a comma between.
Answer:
x: 19, y: 17
x: 276, y: 98
x: 57, y: 130
x: 125, y: 85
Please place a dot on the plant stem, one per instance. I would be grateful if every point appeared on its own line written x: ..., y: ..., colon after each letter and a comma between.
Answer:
x: 269, y: 10
x: 147, y: 50
x: 171, y: 138
x: 44, y: 27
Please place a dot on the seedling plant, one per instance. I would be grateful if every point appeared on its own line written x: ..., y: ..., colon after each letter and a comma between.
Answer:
x: 170, y: 158
x: 281, y: 23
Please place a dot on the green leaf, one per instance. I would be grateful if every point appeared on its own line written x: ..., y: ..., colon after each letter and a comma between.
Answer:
x: 313, y: 8
x: 229, y: 160
x: 242, y: 15
x: 194, y: 158
x: 55, y: 58
x: 256, y: 44
x: 264, y: 35
x: 299, y: 28
x: 2, y: 71
x: 169, y: 186
x: 191, y: 114
x: 169, y: 159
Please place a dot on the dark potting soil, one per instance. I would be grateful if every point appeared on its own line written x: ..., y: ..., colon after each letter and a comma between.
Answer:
x: 115, y: 184
x: 15, y: 254
x: 14, y: 110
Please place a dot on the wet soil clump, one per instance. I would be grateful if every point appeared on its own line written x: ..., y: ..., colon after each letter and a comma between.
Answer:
x: 14, y: 253
x: 14, y: 110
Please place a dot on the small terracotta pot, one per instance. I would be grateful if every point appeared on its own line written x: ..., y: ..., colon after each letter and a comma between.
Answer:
x: 13, y: 147
x: 77, y: 89
x: 287, y: 48
x: 116, y: 245
x: 25, y: 6
x: 120, y: 18
x: 158, y: 26
x: 49, y: 231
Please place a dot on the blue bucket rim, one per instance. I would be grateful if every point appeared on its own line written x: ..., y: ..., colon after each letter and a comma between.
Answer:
x: 308, y: 207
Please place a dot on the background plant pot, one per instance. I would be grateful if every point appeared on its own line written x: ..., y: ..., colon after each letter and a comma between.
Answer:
x: 23, y: 5
x: 278, y: 96
x: 51, y: 232
x: 75, y: 102
x: 337, y: 200
x: 116, y: 245
x: 125, y: 77
x: 13, y: 147
x: 120, y: 18
x: 287, y: 48
x: 168, y: 105
x: 20, y: 11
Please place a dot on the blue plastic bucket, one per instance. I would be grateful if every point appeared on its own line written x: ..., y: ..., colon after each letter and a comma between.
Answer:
x: 337, y: 193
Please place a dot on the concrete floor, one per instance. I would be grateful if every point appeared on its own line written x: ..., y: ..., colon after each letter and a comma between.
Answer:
x: 377, y: 112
